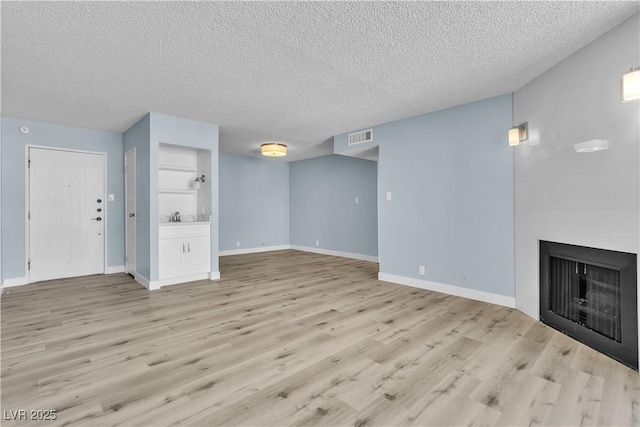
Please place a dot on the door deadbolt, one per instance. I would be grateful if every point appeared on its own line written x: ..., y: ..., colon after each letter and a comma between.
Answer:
x: 99, y: 200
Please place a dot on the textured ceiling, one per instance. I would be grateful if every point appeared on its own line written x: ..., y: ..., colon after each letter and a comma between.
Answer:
x: 293, y: 72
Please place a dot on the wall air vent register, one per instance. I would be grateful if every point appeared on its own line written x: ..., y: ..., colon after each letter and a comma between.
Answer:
x: 360, y: 137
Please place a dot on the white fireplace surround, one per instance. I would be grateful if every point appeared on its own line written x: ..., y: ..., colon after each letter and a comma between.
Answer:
x: 585, y: 199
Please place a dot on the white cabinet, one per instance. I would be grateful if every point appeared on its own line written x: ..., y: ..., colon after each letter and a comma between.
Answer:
x: 178, y: 190
x: 184, y: 248
x: 171, y: 258
x: 198, y: 259
x: 184, y: 252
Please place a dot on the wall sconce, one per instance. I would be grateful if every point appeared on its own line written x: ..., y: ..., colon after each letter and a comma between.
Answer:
x: 199, y: 181
x: 518, y: 134
x: 630, y: 85
x: 591, y: 146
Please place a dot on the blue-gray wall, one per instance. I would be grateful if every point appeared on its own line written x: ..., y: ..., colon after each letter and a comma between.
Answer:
x: 138, y: 137
x: 450, y: 174
x: 322, y: 206
x: 254, y: 202
x: 13, y: 184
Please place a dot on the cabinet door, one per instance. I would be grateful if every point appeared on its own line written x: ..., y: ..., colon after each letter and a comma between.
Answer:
x: 198, y: 259
x: 171, y: 259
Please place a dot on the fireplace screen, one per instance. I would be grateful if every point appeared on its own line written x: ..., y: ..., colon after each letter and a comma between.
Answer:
x: 586, y: 294
x: 590, y: 294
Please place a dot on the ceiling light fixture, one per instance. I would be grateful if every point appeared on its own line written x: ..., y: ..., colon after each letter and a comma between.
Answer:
x: 518, y: 134
x: 273, y: 149
x: 630, y: 85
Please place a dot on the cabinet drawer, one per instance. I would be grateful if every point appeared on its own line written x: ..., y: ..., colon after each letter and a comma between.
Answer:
x: 182, y: 231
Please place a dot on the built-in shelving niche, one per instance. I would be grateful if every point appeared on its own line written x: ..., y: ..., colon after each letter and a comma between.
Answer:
x: 177, y: 171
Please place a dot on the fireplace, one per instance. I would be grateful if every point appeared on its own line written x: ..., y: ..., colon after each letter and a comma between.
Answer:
x: 590, y: 294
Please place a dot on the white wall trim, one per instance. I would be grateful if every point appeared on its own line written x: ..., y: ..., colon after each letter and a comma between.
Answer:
x: 127, y: 266
x: 450, y: 289
x: 214, y: 275
x: 114, y: 269
x: 157, y: 284
x: 14, y: 281
x: 141, y: 279
x: 299, y: 248
x: 360, y: 257
x: 253, y: 250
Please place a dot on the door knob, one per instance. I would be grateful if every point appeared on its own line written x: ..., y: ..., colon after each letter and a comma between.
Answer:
x: 131, y: 215
x: 99, y: 209
x: 99, y: 200
x: 96, y: 219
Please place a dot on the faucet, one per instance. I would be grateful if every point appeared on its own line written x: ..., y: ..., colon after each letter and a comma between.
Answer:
x: 176, y: 217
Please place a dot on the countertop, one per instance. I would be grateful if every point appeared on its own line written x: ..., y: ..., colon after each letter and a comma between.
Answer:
x: 185, y: 223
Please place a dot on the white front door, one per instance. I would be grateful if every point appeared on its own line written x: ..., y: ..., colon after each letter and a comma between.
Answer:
x: 66, y: 215
x: 130, y: 210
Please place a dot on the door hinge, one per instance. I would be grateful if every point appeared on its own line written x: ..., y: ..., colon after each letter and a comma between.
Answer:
x: 29, y: 264
x: 28, y: 215
x: 29, y: 163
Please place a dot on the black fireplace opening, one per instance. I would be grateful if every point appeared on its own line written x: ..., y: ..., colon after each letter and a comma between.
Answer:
x: 590, y: 294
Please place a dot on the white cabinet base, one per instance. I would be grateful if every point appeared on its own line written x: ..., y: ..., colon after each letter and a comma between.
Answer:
x: 184, y: 253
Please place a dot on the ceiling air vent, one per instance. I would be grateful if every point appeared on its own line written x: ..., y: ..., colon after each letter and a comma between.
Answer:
x: 360, y: 137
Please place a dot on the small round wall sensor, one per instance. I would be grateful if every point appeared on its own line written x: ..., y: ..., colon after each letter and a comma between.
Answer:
x: 24, y: 129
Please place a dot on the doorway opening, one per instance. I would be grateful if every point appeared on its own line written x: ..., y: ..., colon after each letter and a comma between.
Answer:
x: 130, y: 209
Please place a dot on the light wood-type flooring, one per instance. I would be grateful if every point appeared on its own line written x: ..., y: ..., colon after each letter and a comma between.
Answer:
x: 293, y: 338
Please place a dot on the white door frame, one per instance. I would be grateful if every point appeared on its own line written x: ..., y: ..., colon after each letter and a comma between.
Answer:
x: 27, y: 196
x: 126, y: 213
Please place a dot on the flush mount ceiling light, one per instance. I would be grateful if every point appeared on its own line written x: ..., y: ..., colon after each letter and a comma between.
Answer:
x: 630, y: 85
x: 518, y: 134
x: 591, y: 146
x: 273, y: 149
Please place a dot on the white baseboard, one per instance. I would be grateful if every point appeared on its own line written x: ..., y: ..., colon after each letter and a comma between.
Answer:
x: 141, y: 279
x: 19, y: 281
x: 336, y: 253
x: 14, y: 281
x: 299, y: 248
x: 157, y: 284
x: 214, y: 275
x: 253, y: 250
x: 114, y: 269
x: 450, y: 290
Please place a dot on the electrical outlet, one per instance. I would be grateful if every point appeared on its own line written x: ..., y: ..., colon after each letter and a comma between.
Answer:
x: 357, y: 200
x: 112, y: 197
x: 388, y: 195
x: 421, y: 270
x: 317, y: 242
x: 238, y: 244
